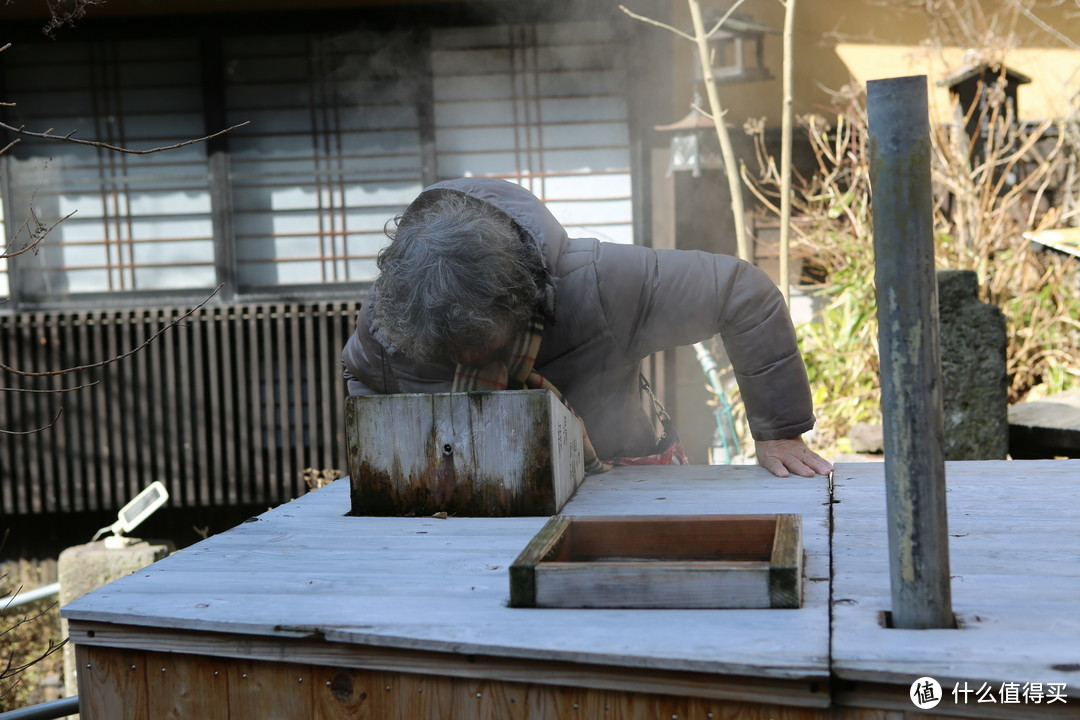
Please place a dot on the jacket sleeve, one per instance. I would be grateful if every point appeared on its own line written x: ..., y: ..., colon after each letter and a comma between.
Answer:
x: 659, y: 299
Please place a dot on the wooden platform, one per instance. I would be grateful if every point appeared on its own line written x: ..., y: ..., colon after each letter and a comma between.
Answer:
x: 306, y: 612
x: 1014, y: 553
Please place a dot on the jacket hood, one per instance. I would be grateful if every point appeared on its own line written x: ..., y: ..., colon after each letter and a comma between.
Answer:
x: 522, y: 206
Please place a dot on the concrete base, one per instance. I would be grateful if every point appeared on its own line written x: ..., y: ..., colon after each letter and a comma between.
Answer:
x: 83, y: 568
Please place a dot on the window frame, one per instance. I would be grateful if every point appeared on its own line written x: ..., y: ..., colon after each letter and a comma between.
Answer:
x: 211, y: 36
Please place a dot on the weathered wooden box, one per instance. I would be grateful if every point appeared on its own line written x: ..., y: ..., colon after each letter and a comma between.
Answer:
x: 473, y: 454
x: 669, y: 561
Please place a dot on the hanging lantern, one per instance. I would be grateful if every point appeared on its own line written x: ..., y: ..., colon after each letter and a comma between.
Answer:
x: 738, y: 50
x: 694, y: 144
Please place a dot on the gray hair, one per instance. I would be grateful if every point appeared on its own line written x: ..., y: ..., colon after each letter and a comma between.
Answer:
x: 457, y: 274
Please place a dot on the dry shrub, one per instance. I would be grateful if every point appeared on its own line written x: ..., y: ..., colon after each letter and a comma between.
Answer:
x: 983, y: 208
x: 28, y: 652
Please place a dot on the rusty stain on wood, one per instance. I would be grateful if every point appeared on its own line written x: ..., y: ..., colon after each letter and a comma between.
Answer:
x: 470, y: 454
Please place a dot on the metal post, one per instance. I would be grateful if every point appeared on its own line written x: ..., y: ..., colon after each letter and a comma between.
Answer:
x: 910, y: 357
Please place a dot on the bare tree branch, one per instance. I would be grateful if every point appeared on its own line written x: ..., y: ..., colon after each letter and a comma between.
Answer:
x: 66, y: 12
x: 56, y: 417
x: 657, y: 23
x: 705, y: 113
x: 38, y: 233
x: 716, y: 109
x: 1026, y: 12
x: 11, y: 669
x: 56, y: 391
x: 47, y: 135
x: 118, y: 358
x: 724, y: 18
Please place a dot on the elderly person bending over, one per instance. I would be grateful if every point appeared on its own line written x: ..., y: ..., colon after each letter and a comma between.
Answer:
x: 481, y: 288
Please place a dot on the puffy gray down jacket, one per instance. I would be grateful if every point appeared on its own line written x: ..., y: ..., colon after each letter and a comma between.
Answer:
x: 615, y: 305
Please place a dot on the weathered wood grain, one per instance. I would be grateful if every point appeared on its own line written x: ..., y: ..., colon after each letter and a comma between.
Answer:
x: 651, y: 585
x: 480, y: 454
x: 712, y: 537
x: 668, y: 561
x: 786, y: 563
x: 264, y: 689
x: 523, y: 569
x: 112, y: 683
x: 313, y: 647
x: 1014, y: 550
x: 366, y: 586
x: 308, y: 584
x: 270, y: 691
x: 347, y: 694
x: 181, y: 687
x: 364, y: 694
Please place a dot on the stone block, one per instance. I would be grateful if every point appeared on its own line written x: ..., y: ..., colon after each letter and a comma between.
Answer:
x: 867, y: 438
x: 83, y: 568
x: 972, y: 337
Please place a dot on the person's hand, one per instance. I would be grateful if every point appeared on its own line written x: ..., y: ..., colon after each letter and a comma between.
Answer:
x: 790, y: 455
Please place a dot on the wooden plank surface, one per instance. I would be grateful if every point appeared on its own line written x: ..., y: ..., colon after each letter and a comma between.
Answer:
x: 1015, y: 560
x: 647, y: 585
x: 179, y: 687
x: 267, y: 690
x: 309, y: 646
x: 112, y: 684
x: 443, y: 586
x: 304, y: 583
x: 700, y: 537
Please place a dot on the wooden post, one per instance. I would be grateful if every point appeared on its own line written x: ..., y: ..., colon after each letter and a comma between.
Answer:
x: 910, y: 356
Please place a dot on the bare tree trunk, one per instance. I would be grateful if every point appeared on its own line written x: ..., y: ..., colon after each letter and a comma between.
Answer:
x: 785, y: 155
x: 717, y: 112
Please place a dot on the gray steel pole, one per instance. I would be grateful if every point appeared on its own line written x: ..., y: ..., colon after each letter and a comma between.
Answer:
x: 62, y: 708
x: 910, y: 356
x: 30, y: 596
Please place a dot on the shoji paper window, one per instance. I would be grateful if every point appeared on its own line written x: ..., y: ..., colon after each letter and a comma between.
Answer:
x: 125, y: 222
x: 542, y: 105
x: 333, y: 150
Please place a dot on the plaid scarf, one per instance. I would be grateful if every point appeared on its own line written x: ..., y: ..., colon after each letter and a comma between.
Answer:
x: 514, y: 369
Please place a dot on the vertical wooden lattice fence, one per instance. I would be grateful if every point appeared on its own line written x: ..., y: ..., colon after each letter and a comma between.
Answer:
x: 227, y: 408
